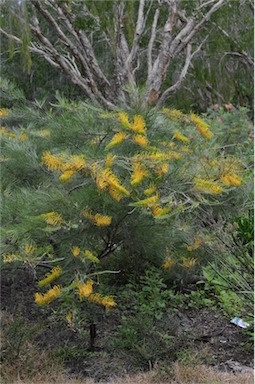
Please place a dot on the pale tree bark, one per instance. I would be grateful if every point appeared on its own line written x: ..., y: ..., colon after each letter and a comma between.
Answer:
x: 162, y: 32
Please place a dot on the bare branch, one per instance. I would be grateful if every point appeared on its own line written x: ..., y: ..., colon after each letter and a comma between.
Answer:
x: 152, y: 39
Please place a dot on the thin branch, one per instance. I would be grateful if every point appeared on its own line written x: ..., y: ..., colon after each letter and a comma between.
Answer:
x: 152, y: 39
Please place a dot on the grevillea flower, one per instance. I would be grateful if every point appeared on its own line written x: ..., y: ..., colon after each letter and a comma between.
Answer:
x: 139, y: 124
x: 209, y: 186
x: 123, y: 118
x: 229, y: 106
x: 195, y: 245
x: 168, y: 264
x: 141, y: 140
x: 231, y: 180
x: 29, y: 248
x: 102, y: 220
x: 179, y: 136
x: 109, y: 160
x: 54, y: 162
x: 9, y: 257
x: 85, y: 289
x: 139, y: 173
x: 107, y: 301
x: 67, y: 175
x: 48, y: 297
x: 147, y: 202
x: 157, y: 210
x: 49, y: 277
x: 162, y: 169
x: 53, y: 218
x: 149, y: 191
x: 76, y: 251
x: 215, y: 106
x: 89, y: 255
x: 202, y: 127
x: 117, y: 139
x: 173, y: 114
x: 220, y: 120
x: 23, y: 137
x: 188, y: 263
x: 3, y: 112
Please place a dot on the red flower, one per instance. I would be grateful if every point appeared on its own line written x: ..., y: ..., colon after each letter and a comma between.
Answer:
x: 220, y: 120
x: 229, y: 106
x: 215, y: 106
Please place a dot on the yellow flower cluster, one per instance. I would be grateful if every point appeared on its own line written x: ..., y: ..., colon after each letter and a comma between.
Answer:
x: 43, y: 133
x: 179, y: 136
x: 173, y: 114
x: 162, y: 169
x: 9, y: 257
x: 141, y: 140
x: 3, y: 112
x: 150, y: 190
x: 195, y: 245
x: 29, y: 248
x: 53, y: 218
x: 22, y: 137
x: 202, y: 127
x: 107, y: 301
x: 49, y: 277
x: 109, y: 160
x: 168, y: 263
x: 139, y: 125
x: 117, y: 139
x: 157, y: 210
x: 105, y: 178
x: 123, y: 118
x: 209, y: 186
x: 60, y: 163
x: 188, y: 263
x: 76, y: 251
x: 85, y: 289
x: 147, y: 202
x: 48, y: 297
x: 89, y: 255
x: 139, y: 173
x: 98, y: 219
x: 229, y: 180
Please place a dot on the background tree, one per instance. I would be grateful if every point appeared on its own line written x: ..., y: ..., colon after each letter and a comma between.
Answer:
x: 143, y: 39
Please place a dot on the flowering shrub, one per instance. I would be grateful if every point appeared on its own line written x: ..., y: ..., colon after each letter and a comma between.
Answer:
x: 87, y: 186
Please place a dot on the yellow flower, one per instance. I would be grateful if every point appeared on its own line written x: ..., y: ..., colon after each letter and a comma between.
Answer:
x: 54, y: 162
x: 53, y: 218
x: 3, y: 112
x: 102, y: 221
x: 115, y: 193
x: 162, y: 169
x: 202, y: 127
x: 23, y: 137
x: 9, y: 258
x: 195, y: 245
x: 29, y: 248
x: 123, y: 117
x: 138, y: 174
x: 70, y: 319
x: 89, y: 255
x: 46, y: 298
x: 116, y: 140
x: 209, y: 186
x: 149, y: 191
x: 157, y: 210
x: 141, y: 140
x: 168, y: 264
x: 139, y: 124
x: 172, y: 114
x: 67, y: 175
x: 147, y: 202
x: 107, y: 301
x: 109, y: 160
x: 49, y: 277
x: 84, y: 290
x: 188, y: 263
x: 76, y: 251
x: 231, y: 180
x: 179, y: 136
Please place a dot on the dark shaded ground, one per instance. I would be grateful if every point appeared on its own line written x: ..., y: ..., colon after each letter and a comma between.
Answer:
x: 204, y: 331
